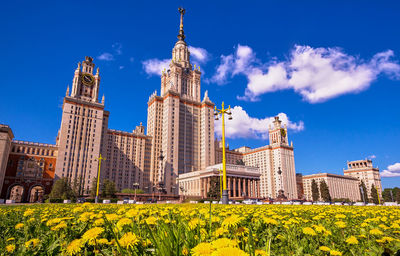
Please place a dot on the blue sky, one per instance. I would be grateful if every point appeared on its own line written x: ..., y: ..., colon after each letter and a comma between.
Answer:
x: 331, y: 68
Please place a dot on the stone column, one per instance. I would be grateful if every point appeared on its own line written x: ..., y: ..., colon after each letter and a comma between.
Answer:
x: 258, y: 188
x: 249, y: 187
x: 228, y: 185
x: 244, y: 186
x: 239, y: 187
x: 234, y: 187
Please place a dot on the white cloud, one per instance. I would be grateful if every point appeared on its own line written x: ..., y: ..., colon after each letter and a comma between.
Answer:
x: 318, y: 74
x: 233, y: 64
x: 117, y: 47
x: 372, y: 157
x: 106, y: 56
x: 392, y: 171
x: 199, y: 55
x: 155, y: 66
x: 244, y: 126
x: 121, y: 67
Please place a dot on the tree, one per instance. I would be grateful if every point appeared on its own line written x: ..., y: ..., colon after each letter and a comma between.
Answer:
x: 314, y: 190
x: 93, y: 188
x: 132, y: 191
x: 215, y: 190
x: 363, y: 192
x: 374, y: 194
x: 387, y: 195
x: 240, y: 162
x: 397, y: 197
x: 324, y: 190
x: 108, y: 189
x: 62, y: 190
x: 76, y: 186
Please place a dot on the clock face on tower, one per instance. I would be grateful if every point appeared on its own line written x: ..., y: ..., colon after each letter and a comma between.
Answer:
x: 87, y: 79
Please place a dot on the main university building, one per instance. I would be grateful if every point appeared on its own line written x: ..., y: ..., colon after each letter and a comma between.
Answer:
x: 176, y: 154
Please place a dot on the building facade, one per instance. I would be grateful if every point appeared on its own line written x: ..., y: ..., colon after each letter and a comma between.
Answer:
x: 242, y: 181
x: 364, y: 171
x: 82, y: 128
x: 275, y: 162
x: 6, y: 137
x: 127, y: 158
x: 30, y: 171
x: 340, y: 186
x: 300, y: 187
x: 179, y: 121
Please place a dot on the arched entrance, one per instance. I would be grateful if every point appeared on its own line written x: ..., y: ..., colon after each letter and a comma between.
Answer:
x: 36, y: 194
x: 16, y: 193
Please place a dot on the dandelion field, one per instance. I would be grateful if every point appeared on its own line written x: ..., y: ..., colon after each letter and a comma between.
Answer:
x: 198, y: 229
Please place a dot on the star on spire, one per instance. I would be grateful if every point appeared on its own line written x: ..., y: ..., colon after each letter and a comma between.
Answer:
x: 181, y: 35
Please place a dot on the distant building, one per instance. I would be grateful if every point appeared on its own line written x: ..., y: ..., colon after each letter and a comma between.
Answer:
x: 30, y: 171
x: 275, y: 162
x: 299, y: 185
x: 127, y: 158
x: 364, y: 171
x: 339, y: 186
x: 6, y: 136
x: 242, y: 181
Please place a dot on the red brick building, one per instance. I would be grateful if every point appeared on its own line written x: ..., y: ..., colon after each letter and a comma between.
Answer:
x: 30, y: 171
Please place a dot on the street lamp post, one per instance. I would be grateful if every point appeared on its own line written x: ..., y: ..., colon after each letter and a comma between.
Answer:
x: 135, y: 186
x: 96, y: 200
x: 222, y: 112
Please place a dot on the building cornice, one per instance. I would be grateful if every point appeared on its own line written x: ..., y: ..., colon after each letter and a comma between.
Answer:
x: 80, y: 102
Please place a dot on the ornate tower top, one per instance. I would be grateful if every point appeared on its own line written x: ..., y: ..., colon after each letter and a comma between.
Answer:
x: 181, y: 35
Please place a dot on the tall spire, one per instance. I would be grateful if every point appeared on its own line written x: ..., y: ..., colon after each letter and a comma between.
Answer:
x: 181, y: 35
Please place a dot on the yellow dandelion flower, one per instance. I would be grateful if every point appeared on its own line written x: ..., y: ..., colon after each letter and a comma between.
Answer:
x: 340, y: 224
x: 111, y: 217
x: 231, y: 251
x: 385, y: 239
x: 269, y: 221
x: 194, y: 223
x: 92, y: 234
x: 32, y: 243
x: 19, y: 226
x: 10, y: 248
x: 124, y: 222
x: 231, y: 221
x: 376, y: 232
x: 202, y: 249
x: 128, y: 240
x: 28, y: 212
x: 260, y: 253
x: 151, y: 220
x: 336, y: 253
x: 324, y: 248
x: 74, y: 247
x: 340, y: 216
x: 62, y: 225
x: 98, y: 222
x: 309, y: 231
x: 352, y: 240
x: 102, y: 241
x: 185, y: 251
x: 223, y: 242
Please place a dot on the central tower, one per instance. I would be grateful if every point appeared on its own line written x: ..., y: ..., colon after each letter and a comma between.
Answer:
x: 181, y: 124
